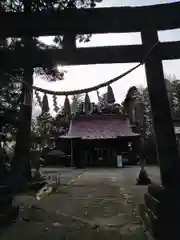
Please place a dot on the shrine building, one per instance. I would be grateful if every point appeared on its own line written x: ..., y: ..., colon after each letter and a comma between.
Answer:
x: 97, y: 139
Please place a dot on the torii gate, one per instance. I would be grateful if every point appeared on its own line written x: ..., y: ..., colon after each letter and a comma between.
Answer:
x: 147, y: 20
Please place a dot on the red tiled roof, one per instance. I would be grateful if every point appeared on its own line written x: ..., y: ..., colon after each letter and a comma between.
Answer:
x: 100, y: 127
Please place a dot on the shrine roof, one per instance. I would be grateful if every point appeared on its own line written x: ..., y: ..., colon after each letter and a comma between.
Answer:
x: 100, y: 127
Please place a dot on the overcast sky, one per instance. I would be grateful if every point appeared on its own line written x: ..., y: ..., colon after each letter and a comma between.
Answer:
x: 85, y: 76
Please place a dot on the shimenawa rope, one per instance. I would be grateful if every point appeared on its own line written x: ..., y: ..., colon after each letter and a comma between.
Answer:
x: 90, y: 89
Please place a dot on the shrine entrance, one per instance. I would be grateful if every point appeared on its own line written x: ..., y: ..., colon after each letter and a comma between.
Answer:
x: 103, y: 153
x: 147, y: 20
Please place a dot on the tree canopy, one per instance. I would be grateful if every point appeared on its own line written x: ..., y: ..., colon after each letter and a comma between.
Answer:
x: 10, y: 94
x: 134, y: 93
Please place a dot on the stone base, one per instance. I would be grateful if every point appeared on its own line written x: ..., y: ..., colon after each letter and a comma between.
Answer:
x: 143, y: 178
x: 9, y: 216
x: 161, y: 212
x: 8, y: 212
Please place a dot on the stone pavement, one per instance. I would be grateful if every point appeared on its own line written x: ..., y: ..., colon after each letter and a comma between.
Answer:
x: 90, y: 204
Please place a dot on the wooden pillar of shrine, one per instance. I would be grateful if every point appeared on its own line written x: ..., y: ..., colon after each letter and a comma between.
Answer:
x: 162, y: 203
x: 76, y: 152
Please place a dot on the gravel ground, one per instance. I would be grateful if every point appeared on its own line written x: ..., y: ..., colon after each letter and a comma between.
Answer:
x: 90, y: 204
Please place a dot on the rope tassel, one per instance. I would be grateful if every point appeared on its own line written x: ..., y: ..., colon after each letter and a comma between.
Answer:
x: 38, y: 98
x: 74, y: 105
x: 87, y: 104
x: 45, y: 104
x: 67, y: 107
x: 56, y: 108
x: 110, y: 95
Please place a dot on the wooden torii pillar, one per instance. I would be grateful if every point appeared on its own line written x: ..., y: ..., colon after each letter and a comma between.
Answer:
x: 162, y: 202
x: 21, y: 167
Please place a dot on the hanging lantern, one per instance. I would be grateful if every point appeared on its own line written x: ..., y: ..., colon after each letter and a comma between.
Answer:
x: 110, y: 95
x: 67, y: 107
x: 87, y: 104
x: 45, y: 104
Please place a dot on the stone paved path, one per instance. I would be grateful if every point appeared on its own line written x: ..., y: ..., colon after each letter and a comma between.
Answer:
x: 90, y: 204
